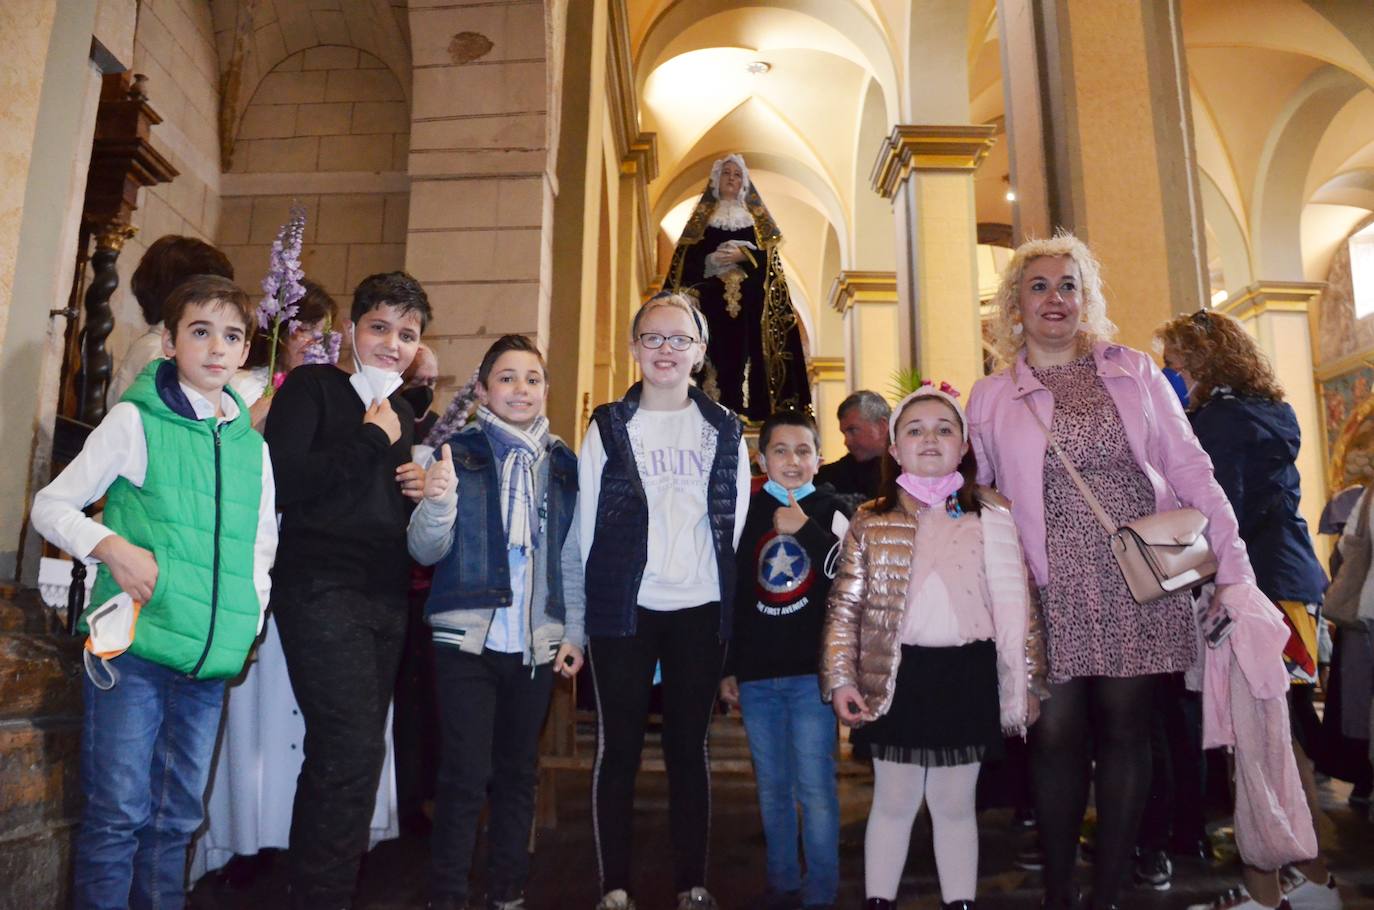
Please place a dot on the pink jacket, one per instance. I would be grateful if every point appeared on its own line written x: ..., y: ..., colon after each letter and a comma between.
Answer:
x: 1244, y: 706
x: 1011, y: 450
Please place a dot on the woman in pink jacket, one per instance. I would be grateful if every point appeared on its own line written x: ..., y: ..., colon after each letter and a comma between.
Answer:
x: 1117, y: 419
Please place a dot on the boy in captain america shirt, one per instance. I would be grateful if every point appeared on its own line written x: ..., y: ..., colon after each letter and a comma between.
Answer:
x: 786, y: 560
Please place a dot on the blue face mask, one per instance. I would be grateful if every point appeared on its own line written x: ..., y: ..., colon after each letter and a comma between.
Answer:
x: 779, y: 492
x: 1180, y: 387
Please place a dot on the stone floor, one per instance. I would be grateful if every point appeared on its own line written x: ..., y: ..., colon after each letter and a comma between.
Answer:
x: 564, y: 869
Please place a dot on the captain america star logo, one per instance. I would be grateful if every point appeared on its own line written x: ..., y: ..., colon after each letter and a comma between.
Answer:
x: 784, y: 569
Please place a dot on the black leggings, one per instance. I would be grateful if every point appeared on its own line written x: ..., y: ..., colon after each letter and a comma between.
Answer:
x: 687, y: 645
x: 1111, y: 717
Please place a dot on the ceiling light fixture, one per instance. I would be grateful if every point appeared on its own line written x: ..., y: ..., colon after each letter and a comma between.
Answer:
x: 758, y: 67
x: 1010, y: 194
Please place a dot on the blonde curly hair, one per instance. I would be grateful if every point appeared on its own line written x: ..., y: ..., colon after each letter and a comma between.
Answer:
x: 1094, y: 324
x: 1216, y: 351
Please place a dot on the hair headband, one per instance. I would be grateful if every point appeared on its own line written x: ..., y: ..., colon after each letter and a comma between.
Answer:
x: 944, y: 391
x: 691, y: 308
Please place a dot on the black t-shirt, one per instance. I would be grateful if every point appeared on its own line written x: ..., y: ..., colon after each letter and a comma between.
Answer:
x: 783, y: 584
x: 343, y: 518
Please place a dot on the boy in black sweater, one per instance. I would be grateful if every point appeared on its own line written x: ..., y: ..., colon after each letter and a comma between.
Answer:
x: 340, y: 448
x: 786, y: 561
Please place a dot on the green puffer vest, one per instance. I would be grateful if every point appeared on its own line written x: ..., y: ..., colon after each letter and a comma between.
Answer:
x: 197, y: 511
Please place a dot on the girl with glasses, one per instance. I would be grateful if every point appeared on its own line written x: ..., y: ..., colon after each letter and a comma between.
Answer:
x: 663, y: 488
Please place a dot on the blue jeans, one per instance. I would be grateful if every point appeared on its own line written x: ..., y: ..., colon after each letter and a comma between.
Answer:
x: 146, y: 746
x: 792, y: 740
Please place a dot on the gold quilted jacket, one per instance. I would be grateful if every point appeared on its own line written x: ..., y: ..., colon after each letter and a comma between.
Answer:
x: 861, y: 644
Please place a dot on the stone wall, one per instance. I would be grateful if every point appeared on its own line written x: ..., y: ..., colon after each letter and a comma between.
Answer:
x: 478, y: 157
x: 26, y: 25
x: 328, y: 126
x: 174, y: 47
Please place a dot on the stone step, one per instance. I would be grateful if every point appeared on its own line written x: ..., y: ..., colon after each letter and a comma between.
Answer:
x: 40, y: 676
x: 35, y: 866
x: 39, y: 767
x: 729, y: 749
x: 22, y: 610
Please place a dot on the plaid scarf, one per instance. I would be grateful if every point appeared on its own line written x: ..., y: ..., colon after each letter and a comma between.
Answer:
x: 522, y: 448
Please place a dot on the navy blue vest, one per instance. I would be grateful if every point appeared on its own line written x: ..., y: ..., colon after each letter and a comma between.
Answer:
x: 475, y: 574
x: 620, y: 548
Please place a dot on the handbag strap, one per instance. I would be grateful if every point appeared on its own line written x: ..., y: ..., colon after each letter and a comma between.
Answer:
x: 1102, y: 517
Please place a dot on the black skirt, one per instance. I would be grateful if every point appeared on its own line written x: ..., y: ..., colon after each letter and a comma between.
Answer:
x: 944, y: 710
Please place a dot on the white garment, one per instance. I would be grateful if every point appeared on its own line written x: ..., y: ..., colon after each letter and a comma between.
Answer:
x: 117, y: 448
x: 673, y: 451
x: 508, y: 631
x: 731, y: 215
x: 250, y: 383
x: 142, y: 351
x: 253, y: 777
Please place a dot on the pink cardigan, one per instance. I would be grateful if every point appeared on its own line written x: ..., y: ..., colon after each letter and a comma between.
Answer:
x: 1011, y: 450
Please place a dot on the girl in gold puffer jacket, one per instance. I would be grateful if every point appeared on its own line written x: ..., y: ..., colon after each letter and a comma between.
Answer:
x: 932, y: 646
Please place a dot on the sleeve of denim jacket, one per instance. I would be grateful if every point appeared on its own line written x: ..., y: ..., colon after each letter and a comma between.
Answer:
x: 430, y: 532
x: 574, y: 586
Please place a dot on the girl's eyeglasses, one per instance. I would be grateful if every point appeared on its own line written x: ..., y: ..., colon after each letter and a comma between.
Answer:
x: 653, y: 341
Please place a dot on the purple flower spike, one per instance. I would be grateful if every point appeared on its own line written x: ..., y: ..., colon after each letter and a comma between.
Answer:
x: 281, y: 286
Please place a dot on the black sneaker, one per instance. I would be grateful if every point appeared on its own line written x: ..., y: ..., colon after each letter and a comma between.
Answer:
x: 1199, y: 848
x: 1153, y: 869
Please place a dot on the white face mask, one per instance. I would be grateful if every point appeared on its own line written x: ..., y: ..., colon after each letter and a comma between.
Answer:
x: 371, y: 383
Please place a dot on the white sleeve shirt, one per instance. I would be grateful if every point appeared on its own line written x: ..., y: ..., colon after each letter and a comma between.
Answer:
x: 680, y: 570
x: 117, y: 448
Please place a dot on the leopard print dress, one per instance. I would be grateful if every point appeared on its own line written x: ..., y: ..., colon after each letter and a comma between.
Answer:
x: 1094, y: 627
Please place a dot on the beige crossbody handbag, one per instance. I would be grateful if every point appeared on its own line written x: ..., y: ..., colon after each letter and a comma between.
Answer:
x: 1159, y: 554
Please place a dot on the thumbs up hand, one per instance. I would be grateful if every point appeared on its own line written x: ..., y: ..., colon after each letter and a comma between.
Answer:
x: 790, y: 518
x: 440, y: 480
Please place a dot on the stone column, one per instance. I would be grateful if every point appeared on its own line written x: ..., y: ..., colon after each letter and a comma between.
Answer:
x: 828, y: 389
x: 479, y: 158
x: 927, y: 172
x: 1101, y: 144
x: 1278, y: 315
x: 867, y: 301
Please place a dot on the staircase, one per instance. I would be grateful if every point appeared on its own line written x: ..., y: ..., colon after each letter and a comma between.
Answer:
x: 569, y: 745
x: 40, y: 754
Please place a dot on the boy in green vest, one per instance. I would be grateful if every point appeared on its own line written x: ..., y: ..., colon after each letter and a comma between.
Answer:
x: 185, y: 551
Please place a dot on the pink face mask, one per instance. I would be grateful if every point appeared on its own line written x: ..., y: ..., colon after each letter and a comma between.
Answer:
x: 931, y: 490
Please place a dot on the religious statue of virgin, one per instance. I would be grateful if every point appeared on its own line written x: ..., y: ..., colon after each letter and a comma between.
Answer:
x: 727, y: 258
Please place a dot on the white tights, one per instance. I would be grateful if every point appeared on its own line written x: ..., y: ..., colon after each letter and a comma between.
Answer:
x: 898, y: 790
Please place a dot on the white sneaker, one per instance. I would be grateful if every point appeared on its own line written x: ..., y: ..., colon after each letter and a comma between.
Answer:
x: 616, y: 900
x: 1305, y: 894
x: 1238, y: 898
